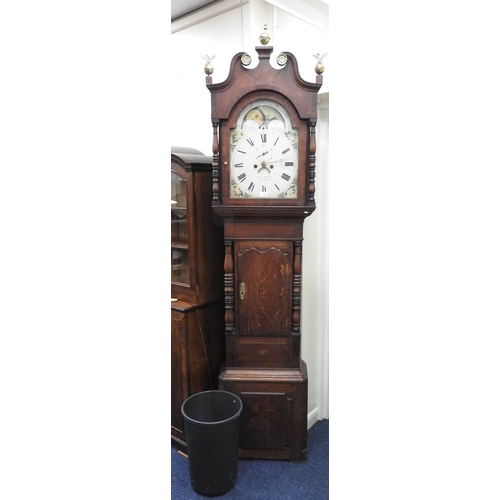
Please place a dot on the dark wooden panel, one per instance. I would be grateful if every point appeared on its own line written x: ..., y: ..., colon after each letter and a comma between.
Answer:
x: 264, y: 352
x: 266, y: 274
x: 179, y: 389
x: 263, y: 230
x: 265, y: 421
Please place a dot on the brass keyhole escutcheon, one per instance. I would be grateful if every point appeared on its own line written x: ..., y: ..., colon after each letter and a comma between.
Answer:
x: 243, y: 289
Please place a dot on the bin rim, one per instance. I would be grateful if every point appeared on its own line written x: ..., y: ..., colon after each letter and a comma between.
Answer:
x: 218, y: 422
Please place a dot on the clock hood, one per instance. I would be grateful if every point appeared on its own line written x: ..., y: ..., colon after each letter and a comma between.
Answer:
x: 285, y: 81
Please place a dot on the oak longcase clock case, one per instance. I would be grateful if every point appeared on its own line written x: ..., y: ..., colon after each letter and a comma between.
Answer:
x: 264, y: 146
x: 197, y: 308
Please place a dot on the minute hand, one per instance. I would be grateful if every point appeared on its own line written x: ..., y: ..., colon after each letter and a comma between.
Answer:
x: 288, y: 161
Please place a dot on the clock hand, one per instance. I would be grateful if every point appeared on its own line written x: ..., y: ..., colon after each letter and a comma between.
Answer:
x: 263, y: 154
x: 280, y: 156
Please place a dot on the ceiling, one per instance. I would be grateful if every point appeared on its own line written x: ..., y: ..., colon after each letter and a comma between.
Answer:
x: 179, y: 8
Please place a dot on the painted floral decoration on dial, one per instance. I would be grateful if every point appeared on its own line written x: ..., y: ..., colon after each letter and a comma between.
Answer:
x: 263, y: 153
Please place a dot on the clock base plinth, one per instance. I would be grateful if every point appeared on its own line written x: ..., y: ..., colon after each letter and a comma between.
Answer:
x: 274, y: 418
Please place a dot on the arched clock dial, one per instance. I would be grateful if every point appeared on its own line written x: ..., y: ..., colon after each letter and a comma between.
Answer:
x: 264, y: 161
x: 264, y: 164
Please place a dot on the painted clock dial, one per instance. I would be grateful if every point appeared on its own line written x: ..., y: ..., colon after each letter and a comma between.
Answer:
x: 264, y: 153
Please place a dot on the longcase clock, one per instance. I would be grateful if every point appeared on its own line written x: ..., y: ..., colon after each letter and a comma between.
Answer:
x: 264, y: 162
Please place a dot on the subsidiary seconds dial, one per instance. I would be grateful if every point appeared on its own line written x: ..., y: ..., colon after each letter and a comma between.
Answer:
x: 264, y: 165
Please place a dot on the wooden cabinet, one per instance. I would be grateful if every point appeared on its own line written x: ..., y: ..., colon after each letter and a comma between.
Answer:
x: 197, y: 309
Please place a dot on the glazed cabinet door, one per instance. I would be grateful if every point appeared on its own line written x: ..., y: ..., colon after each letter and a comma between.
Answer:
x: 179, y: 228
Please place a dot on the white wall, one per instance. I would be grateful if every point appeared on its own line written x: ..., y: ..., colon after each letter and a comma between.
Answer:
x: 221, y: 36
x: 315, y: 312
x: 223, y: 30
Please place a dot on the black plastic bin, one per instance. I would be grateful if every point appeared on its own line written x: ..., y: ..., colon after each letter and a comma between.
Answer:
x: 212, y: 428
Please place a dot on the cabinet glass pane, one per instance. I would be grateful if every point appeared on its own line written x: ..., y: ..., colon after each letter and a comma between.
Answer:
x: 178, y: 191
x: 180, y: 267
x: 179, y: 229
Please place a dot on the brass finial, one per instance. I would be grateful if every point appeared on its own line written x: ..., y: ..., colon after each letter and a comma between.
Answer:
x: 319, y: 68
x: 209, y: 69
x: 264, y: 37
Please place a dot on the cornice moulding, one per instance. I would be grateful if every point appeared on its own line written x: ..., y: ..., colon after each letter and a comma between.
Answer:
x: 205, y: 13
